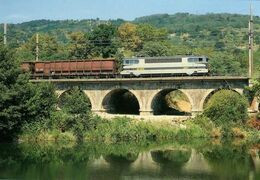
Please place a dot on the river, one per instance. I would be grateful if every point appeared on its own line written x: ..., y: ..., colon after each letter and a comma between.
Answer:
x: 172, y: 160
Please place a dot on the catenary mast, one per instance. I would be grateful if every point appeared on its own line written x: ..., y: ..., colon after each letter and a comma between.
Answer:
x: 251, y: 43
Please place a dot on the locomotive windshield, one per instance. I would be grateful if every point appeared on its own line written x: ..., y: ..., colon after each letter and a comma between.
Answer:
x: 131, y: 61
x: 197, y: 59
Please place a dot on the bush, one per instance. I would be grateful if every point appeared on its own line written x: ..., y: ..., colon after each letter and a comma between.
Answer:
x: 238, y: 132
x: 75, y: 102
x: 227, y: 107
x: 21, y: 102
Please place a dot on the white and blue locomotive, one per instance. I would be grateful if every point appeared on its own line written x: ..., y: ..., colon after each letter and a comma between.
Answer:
x: 166, y: 66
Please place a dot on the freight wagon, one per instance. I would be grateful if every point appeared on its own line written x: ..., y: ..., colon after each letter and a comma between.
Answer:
x: 77, y: 68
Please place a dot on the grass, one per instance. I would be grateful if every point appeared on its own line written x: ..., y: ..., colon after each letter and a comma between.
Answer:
x: 123, y: 129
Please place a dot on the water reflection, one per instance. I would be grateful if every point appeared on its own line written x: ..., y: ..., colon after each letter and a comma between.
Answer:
x: 130, y: 161
x: 230, y: 162
x: 126, y: 159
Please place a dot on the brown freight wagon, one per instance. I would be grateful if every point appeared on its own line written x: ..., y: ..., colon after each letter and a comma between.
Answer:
x: 94, y: 67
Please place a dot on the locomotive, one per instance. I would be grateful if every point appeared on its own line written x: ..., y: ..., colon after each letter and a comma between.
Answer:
x: 166, y: 66
x: 132, y: 67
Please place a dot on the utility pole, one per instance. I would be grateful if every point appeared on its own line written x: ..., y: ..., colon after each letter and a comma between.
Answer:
x: 37, y: 47
x: 5, y: 32
x: 251, y: 44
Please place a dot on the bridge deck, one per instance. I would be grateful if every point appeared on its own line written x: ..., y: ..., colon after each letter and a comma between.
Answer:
x: 186, y: 78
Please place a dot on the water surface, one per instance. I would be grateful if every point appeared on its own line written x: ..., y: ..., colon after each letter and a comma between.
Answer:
x: 191, y: 160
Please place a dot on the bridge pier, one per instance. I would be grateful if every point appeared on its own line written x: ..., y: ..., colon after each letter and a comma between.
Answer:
x: 146, y: 113
x: 254, y: 106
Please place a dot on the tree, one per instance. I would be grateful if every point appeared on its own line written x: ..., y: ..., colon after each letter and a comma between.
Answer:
x: 153, y: 49
x: 224, y: 64
x: 103, y: 40
x: 49, y: 49
x: 226, y: 107
x: 77, y: 110
x: 147, y: 32
x: 79, y: 47
x: 20, y: 101
x: 220, y: 46
x: 75, y: 102
x: 128, y: 36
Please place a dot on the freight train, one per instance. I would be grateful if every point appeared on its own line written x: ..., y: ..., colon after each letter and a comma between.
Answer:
x: 132, y: 67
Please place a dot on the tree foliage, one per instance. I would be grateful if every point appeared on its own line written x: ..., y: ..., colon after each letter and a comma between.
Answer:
x: 128, y: 36
x: 48, y: 48
x: 20, y: 101
x: 226, y: 107
x: 102, y: 38
x: 156, y: 49
x: 75, y: 102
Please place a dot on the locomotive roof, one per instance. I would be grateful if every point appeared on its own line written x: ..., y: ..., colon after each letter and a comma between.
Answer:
x: 166, y: 57
x: 70, y: 60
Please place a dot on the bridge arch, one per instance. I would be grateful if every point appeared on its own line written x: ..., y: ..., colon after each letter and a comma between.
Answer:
x: 121, y: 100
x: 211, y: 92
x: 62, y: 94
x: 160, y: 106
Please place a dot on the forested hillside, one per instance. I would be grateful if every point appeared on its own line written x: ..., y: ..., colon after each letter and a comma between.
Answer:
x: 222, y: 37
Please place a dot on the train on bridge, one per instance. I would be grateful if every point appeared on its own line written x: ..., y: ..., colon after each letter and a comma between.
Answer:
x: 131, y: 67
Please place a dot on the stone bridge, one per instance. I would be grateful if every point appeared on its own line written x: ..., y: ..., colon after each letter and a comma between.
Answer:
x: 147, y: 92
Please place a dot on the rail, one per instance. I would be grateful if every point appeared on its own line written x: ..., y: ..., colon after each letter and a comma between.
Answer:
x: 141, y: 79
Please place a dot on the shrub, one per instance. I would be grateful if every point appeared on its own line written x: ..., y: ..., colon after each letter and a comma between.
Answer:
x: 238, y: 132
x: 216, y: 133
x: 254, y: 123
x: 75, y: 102
x: 226, y: 107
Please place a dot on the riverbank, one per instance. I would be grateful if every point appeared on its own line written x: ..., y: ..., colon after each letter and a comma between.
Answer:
x: 124, y: 129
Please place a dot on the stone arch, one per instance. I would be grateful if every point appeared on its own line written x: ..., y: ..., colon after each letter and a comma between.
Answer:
x: 63, y: 92
x: 60, y: 92
x: 159, y: 104
x: 211, y: 92
x: 121, y: 101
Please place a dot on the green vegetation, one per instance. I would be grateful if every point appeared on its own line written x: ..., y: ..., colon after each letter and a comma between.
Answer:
x: 226, y: 107
x: 20, y: 101
x: 221, y: 37
x: 30, y: 111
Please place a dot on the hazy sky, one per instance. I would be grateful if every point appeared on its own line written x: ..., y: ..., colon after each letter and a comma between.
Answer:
x: 14, y: 11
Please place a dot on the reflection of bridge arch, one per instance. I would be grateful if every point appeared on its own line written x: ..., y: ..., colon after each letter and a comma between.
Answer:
x: 126, y: 159
x: 175, y: 157
x: 159, y: 103
x: 121, y: 101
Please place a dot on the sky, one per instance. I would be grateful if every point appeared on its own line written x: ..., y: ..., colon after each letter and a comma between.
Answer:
x: 17, y: 11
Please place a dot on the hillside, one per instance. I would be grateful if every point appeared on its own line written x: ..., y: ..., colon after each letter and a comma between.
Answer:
x: 222, y: 37
x: 60, y: 28
x: 180, y: 23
